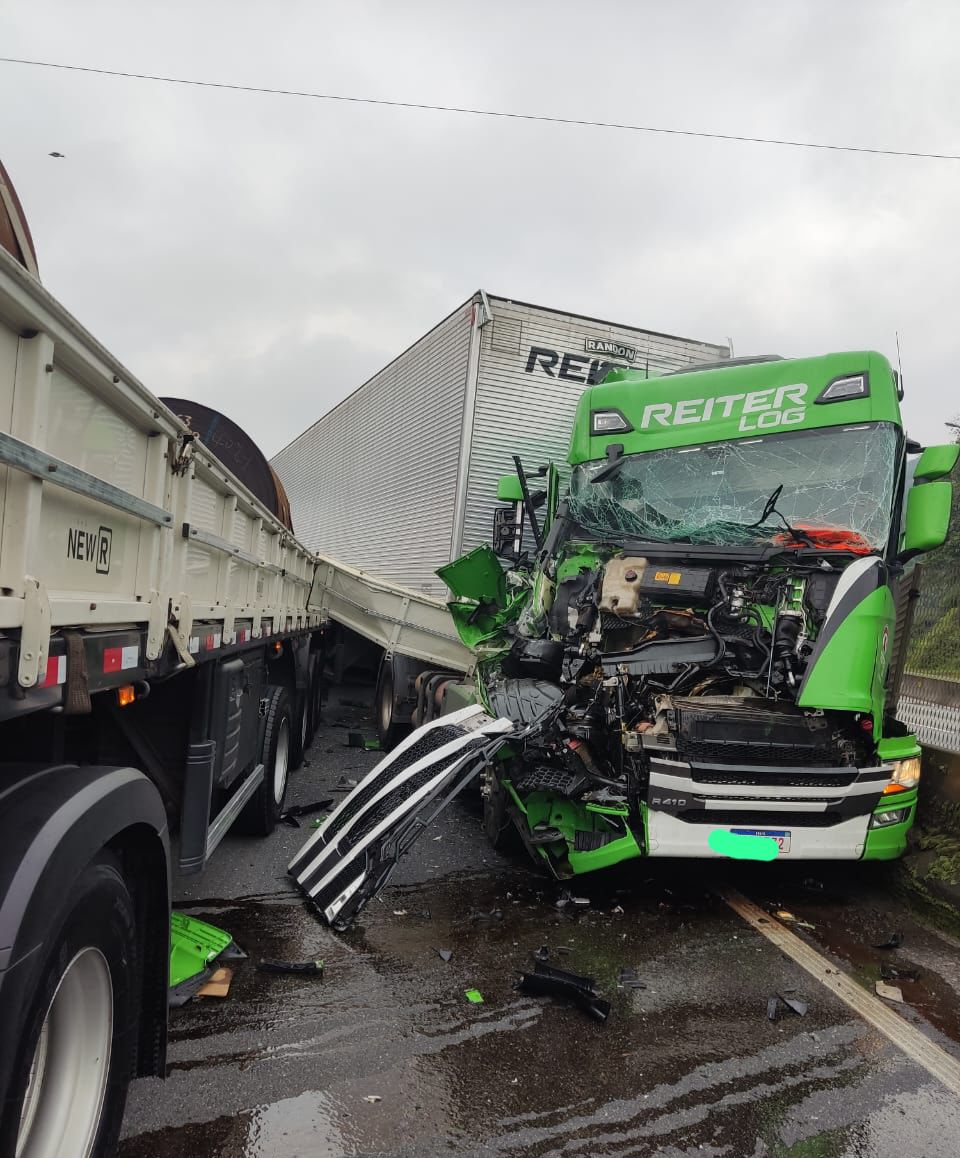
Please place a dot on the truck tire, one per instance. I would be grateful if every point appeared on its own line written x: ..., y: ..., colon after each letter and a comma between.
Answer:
x: 261, y: 813
x: 498, y: 827
x: 76, y: 1054
x: 308, y: 714
x: 390, y: 730
x: 316, y: 693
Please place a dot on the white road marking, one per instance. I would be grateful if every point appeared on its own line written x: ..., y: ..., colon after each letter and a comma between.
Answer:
x: 906, y: 1037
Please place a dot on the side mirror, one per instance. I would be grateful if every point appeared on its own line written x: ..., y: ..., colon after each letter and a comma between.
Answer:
x: 928, y: 517
x: 937, y: 462
x: 509, y: 489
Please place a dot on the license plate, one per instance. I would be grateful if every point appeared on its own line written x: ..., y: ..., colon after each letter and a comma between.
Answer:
x: 782, y: 838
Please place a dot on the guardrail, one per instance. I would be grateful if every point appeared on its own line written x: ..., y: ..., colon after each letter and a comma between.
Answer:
x: 930, y: 707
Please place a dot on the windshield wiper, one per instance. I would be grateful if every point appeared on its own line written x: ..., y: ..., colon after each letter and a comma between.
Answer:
x: 770, y: 508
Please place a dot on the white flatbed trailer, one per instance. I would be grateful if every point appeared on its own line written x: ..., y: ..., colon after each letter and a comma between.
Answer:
x: 161, y: 649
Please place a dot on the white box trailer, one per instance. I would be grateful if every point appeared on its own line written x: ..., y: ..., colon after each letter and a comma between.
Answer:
x: 401, y: 476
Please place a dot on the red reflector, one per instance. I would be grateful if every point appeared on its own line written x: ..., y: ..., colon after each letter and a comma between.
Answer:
x: 867, y: 724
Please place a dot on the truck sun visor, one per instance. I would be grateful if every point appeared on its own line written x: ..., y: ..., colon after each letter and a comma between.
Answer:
x: 351, y: 856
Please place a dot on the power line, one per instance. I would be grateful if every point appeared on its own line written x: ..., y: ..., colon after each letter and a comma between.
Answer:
x: 618, y: 125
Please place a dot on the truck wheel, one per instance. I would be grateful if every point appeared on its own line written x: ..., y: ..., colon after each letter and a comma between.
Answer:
x: 305, y: 721
x: 497, y: 824
x: 316, y: 693
x: 390, y: 730
x: 76, y: 1053
x: 261, y: 813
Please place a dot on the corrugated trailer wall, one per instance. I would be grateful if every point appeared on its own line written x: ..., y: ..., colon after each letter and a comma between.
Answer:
x: 534, y: 364
x: 372, y: 483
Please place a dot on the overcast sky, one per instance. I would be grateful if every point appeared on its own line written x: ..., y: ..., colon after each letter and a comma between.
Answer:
x: 265, y: 254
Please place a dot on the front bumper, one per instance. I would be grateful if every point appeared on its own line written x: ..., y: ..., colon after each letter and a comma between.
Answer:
x: 827, y: 811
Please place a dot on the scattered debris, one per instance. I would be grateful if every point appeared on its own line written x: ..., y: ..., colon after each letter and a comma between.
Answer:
x: 356, y: 740
x: 542, y: 954
x: 313, y: 968
x: 194, y: 947
x: 791, y: 919
x: 894, y: 941
x: 474, y: 996
x: 548, y: 981
x: 444, y: 954
x: 344, y: 785
x: 794, y: 1004
x: 371, y: 1098
x: 890, y: 992
x: 617, y: 910
x: 899, y: 973
x: 399, y: 912
x: 218, y: 985
x: 296, y: 810
x: 318, y: 822
x: 800, y: 1008
x: 493, y: 915
x: 627, y: 978
x: 567, y: 898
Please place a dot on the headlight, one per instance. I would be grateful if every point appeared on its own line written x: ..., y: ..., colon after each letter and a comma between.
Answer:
x: 906, y: 773
x: 891, y: 816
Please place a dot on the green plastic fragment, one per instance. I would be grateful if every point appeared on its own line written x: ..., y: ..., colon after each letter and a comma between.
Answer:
x: 372, y: 745
x: 194, y: 945
x: 474, y: 996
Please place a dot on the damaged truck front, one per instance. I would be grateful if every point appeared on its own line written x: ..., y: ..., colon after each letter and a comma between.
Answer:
x: 697, y: 649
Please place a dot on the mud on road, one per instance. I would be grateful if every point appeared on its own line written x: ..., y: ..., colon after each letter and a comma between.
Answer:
x: 386, y: 1056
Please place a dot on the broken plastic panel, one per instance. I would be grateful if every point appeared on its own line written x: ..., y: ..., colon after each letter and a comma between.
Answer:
x: 351, y: 856
x: 549, y: 981
x: 840, y: 478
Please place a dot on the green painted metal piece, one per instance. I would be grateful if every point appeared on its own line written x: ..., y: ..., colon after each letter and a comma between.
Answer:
x: 897, y: 748
x: 477, y: 576
x: 849, y: 673
x: 891, y: 842
x: 732, y: 402
x: 194, y: 946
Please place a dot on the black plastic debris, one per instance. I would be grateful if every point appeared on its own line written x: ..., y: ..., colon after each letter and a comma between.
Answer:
x: 344, y: 785
x: 794, y: 1004
x: 894, y: 941
x: 444, y: 954
x: 354, y: 739
x: 548, y: 981
x: 295, y: 810
x: 541, y: 954
x: 899, y: 973
x: 628, y: 979
x: 309, y: 968
x: 800, y: 1008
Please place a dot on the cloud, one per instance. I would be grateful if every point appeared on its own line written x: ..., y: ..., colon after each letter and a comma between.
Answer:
x: 266, y: 254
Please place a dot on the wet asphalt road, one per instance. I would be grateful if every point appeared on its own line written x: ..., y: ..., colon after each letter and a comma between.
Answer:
x: 688, y: 1065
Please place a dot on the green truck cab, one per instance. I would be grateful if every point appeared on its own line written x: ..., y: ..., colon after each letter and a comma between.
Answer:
x: 699, y: 650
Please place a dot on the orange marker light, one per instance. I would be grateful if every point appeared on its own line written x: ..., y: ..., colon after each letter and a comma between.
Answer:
x: 126, y: 695
x: 893, y: 788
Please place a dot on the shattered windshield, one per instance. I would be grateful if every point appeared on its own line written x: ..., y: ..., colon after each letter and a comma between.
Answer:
x: 837, y: 487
